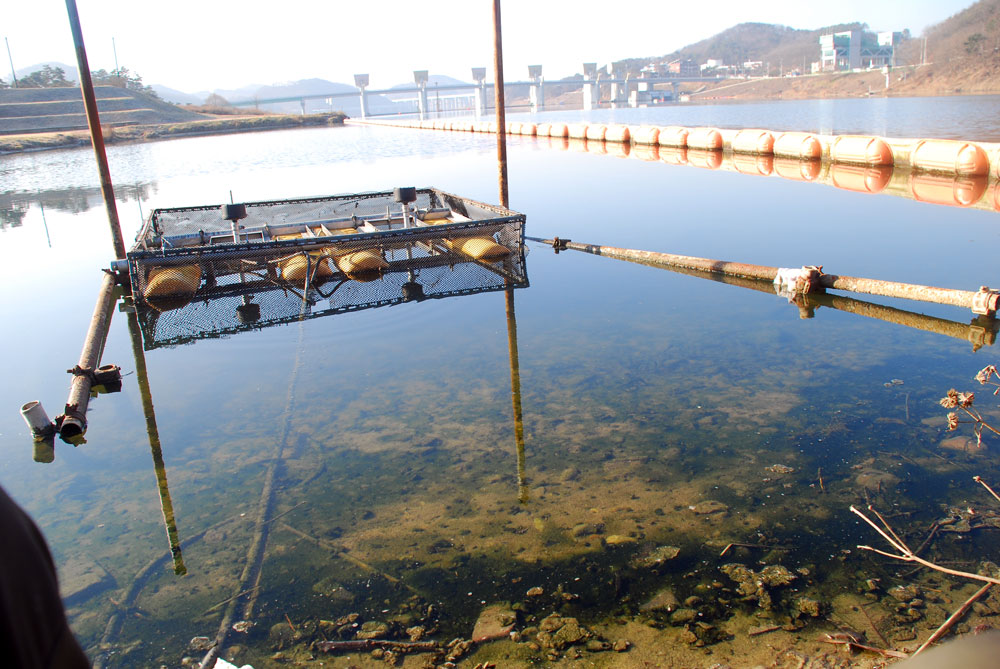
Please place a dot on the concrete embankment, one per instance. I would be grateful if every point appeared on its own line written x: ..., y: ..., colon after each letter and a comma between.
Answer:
x: 152, y: 132
x: 942, y: 156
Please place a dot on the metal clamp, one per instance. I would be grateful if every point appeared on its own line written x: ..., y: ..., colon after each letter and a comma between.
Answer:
x: 984, y: 303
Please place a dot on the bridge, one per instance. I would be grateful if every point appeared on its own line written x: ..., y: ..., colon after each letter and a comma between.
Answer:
x: 625, y: 91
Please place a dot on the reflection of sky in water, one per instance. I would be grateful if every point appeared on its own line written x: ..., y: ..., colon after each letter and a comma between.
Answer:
x: 618, y: 361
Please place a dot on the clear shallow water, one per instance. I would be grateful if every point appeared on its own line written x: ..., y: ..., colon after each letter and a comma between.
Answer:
x: 645, y: 392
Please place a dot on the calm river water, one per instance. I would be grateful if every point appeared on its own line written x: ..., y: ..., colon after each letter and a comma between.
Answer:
x: 666, y: 416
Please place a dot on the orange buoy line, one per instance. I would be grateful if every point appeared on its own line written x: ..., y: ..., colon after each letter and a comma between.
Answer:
x: 946, y: 156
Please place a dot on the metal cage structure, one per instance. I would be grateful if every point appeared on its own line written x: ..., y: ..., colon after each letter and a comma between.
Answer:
x: 216, y: 270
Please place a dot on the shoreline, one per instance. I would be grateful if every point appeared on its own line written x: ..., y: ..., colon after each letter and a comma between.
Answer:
x: 52, y: 141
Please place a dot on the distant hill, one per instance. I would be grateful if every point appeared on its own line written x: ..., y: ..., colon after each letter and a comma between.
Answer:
x: 72, y: 74
x: 778, y: 46
x: 947, y: 40
x: 177, y: 97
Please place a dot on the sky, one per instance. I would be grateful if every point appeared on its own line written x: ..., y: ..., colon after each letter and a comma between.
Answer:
x: 222, y: 44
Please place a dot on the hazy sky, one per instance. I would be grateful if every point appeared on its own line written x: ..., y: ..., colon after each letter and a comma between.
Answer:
x: 193, y: 46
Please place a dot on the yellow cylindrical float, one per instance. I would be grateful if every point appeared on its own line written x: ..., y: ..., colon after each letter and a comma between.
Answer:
x: 761, y: 164
x: 860, y: 178
x: 617, y: 133
x: 577, y: 131
x: 596, y: 133
x: 673, y: 135
x: 704, y: 138
x: 753, y: 141
x: 710, y: 160
x: 797, y: 170
x: 480, y: 248
x: 529, y: 129
x: 802, y: 145
x: 674, y: 155
x: 953, y: 191
x: 360, y: 262
x: 543, y: 129
x: 860, y: 150
x: 175, y: 281
x: 947, y: 155
x: 646, y: 135
x: 296, y: 267
x: 514, y: 128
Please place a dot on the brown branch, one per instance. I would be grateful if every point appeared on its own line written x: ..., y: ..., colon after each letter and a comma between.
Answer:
x: 953, y: 618
x: 370, y: 644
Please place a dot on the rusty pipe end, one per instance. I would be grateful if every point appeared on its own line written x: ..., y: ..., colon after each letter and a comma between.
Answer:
x: 72, y: 429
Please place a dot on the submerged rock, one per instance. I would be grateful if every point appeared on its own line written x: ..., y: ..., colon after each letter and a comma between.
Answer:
x: 663, y: 600
x: 708, y: 507
x: 657, y: 557
x: 619, y: 540
x: 494, y: 622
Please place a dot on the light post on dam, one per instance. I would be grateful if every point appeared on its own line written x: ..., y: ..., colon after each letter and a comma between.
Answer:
x: 537, y: 90
x: 420, y: 79
x: 361, y: 81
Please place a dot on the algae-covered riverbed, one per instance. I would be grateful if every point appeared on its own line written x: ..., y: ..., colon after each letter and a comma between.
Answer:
x: 691, y: 449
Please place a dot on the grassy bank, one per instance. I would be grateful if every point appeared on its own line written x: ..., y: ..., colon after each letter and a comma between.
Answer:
x: 148, y: 133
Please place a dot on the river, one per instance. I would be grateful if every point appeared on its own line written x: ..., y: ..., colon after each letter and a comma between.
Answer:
x: 674, y: 426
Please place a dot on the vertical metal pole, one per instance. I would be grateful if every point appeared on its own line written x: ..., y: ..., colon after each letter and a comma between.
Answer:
x: 12, y: 72
x: 96, y: 136
x: 515, y: 396
x: 166, y: 505
x: 501, y: 121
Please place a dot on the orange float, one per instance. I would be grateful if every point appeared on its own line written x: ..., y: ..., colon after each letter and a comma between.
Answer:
x: 576, y: 131
x: 618, y: 133
x: 529, y: 129
x: 860, y: 178
x: 646, y: 135
x: 704, y: 138
x: 946, y: 155
x: 860, y: 150
x: 543, y: 129
x: 559, y: 130
x: 596, y: 132
x: 753, y: 141
x: 801, y: 145
x: 673, y: 135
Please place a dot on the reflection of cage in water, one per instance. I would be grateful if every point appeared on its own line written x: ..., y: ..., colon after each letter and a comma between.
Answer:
x: 313, y: 257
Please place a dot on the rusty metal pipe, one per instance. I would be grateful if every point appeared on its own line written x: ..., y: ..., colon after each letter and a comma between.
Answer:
x: 960, y: 298
x: 96, y: 135
x: 73, y: 423
x: 500, y: 111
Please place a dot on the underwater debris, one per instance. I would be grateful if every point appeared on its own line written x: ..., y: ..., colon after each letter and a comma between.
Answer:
x: 754, y: 586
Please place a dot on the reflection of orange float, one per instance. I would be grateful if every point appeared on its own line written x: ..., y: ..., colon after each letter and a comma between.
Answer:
x: 760, y: 164
x: 797, y: 170
x: 617, y: 149
x: 860, y: 178
x: 646, y: 151
x: 595, y: 147
x: 752, y: 141
x: 577, y: 131
x: 954, y: 191
x: 646, y: 135
x: 595, y: 133
x: 861, y: 150
x: 674, y: 155
x: 710, y: 160
x: 704, y: 138
x: 801, y: 145
x: 617, y: 133
x: 673, y: 135
x: 945, y: 155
